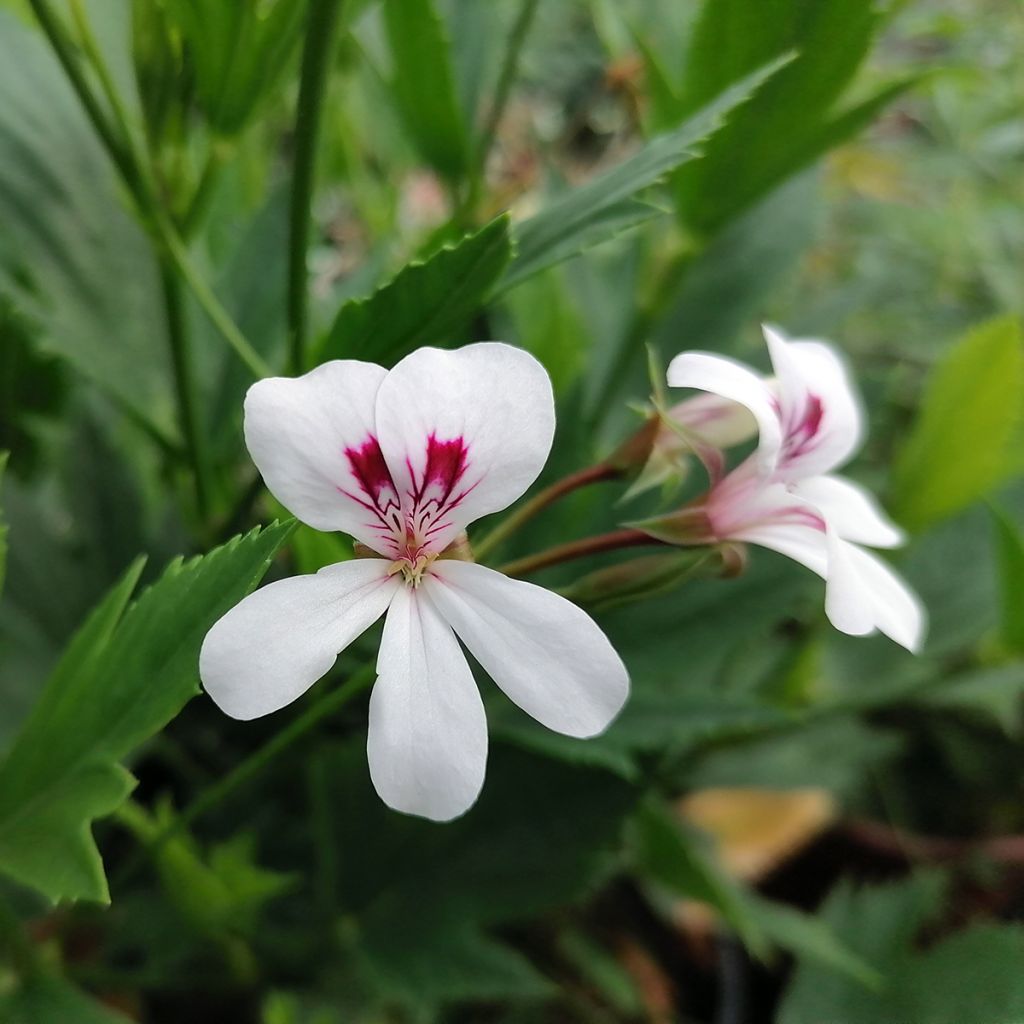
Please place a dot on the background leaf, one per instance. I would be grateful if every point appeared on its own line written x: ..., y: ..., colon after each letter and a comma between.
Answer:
x: 3, y: 524
x: 426, y: 303
x: 603, y: 207
x: 1010, y: 555
x: 959, y: 448
x: 66, y: 234
x: 971, y: 978
x: 792, y: 121
x: 47, y: 997
x: 425, y: 898
x: 423, y: 85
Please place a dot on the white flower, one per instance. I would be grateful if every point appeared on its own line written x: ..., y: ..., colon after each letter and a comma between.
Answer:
x: 784, y: 496
x: 404, y: 461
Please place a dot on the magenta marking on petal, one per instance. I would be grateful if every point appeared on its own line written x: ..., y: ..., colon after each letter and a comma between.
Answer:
x: 369, y: 468
x: 411, y: 523
x: 800, y: 436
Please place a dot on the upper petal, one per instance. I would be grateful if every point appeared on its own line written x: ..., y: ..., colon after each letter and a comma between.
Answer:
x: 470, y: 427
x: 308, y: 435
x: 863, y: 594
x: 270, y: 648
x: 547, y: 654
x: 738, y: 383
x: 427, y: 739
x: 850, y: 510
x: 821, y: 417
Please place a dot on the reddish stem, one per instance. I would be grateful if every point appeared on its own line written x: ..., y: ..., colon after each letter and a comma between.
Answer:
x: 899, y: 845
x: 627, y: 538
x: 560, y: 488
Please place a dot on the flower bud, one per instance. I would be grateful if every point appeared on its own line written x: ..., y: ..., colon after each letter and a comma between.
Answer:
x: 650, y: 575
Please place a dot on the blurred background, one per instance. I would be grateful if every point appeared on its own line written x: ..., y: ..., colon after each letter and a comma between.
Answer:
x: 786, y: 824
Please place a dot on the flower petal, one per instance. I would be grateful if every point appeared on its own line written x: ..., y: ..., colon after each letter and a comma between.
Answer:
x: 269, y: 649
x: 864, y: 594
x: 474, y: 425
x: 850, y: 510
x: 427, y: 740
x: 820, y: 413
x: 299, y: 432
x: 802, y: 542
x: 547, y: 654
x: 732, y: 380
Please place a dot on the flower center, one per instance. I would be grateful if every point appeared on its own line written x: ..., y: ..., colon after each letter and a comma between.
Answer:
x: 412, y: 571
x: 413, y: 524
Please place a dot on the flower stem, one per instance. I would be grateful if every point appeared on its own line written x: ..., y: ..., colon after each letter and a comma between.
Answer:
x: 627, y: 538
x: 560, y: 488
x: 256, y: 762
x: 186, y: 388
x: 320, y: 31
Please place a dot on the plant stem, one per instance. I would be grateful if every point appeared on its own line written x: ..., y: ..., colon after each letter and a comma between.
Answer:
x: 560, y: 488
x: 502, y: 92
x: 90, y: 48
x: 186, y: 388
x: 258, y: 760
x: 507, y: 75
x: 217, y: 314
x: 626, y: 538
x: 118, y: 149
x: 321, y: 26
x: 153, y: 216
x: 204, y: 190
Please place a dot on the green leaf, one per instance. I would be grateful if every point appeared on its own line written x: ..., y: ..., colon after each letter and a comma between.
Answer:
x: 792, y: 121
x: 423, y: 84
x: 542, y: 835
x: 427, y: 303
x: 680, y: 860
x: 961, y: 445
x: 66, y: 236
x: 120, y: 681
x: 1010, y: 560
x: 3, y: 525
x: 45, y: 997
x: 238, y: 52
x: 809, y: 938
x: 993, y: 691
x: 220, y: 894
x: 878, y: 923
x: 602, y: 208
x: 973, y: 977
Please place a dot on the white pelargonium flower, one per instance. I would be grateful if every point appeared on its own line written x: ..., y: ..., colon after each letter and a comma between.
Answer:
x: 404, y: 461
x: 784, y: 496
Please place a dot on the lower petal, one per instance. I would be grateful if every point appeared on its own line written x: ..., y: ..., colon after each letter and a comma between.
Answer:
x: 269, y: 649
x: 427, y: 739
x: 864, y: 594
x: 850, y: 510
x: 547, y: 654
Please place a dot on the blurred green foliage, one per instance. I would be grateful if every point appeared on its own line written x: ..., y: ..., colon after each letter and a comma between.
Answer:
x: 583, y: 179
